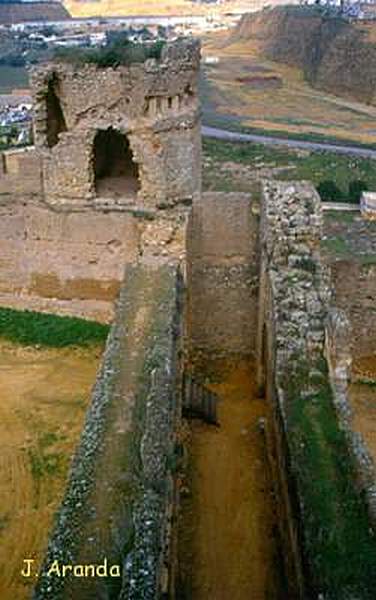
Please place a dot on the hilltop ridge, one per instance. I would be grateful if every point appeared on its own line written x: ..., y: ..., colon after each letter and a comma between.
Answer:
x: 335, y: 55
x: 19, y: 12
x: 107, y: 8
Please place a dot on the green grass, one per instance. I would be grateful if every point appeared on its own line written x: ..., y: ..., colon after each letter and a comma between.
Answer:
x: 336, y: 246
x: 44, y: 460
x: 44, y: 464
x: 245, y: 152
x: 120, y: 51
x: 314, y: 166
x: 368, y: 259
x: 341, y: 217
x: 337, y: 530
x: 38, y: 329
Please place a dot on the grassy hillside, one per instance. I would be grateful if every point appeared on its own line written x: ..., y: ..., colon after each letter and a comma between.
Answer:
x: 16, y: 12
x: 241, y: 166
x: 245, y: 90
x: 335, y: 55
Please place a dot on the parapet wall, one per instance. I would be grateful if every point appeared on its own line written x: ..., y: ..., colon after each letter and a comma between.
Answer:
x: 72, y: 262
x: 222, y: 275
x: 20, y: 173
x: 315, y: 466
x: 119, y: 501
x: 355, y: 285
x: 68, y: 262
x: 349, y: 248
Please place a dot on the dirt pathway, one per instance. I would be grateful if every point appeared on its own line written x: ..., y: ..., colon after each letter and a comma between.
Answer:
x: 227, y: 548
x: 43, y: 398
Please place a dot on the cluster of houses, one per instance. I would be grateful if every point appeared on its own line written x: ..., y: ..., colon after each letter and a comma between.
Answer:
x: 364, y: 10
x: 92, y: 32
x: 15, y: 121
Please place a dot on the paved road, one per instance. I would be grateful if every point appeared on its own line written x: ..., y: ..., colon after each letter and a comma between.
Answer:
x: 233, y: 136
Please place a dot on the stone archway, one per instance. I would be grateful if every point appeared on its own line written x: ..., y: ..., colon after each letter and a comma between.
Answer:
x: 115, y: 171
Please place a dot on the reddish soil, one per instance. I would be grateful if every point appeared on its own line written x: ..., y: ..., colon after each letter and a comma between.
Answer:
x: 43, y: 397
x: 227, y: 548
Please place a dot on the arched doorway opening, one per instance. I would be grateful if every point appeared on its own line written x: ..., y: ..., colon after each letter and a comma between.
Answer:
x: 115, y: 172
x: 55, y: 117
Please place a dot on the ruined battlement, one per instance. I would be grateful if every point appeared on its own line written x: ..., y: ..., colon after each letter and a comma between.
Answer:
x: 108, y: 189
x: 129, y: 133
x: 304, y: 361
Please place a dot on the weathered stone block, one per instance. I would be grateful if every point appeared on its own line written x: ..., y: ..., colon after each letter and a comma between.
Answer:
x: 118, y: 503
x: 130, y: 133
x: 368, y: 205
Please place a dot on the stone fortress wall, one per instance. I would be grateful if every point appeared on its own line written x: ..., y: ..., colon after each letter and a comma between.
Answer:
x: 153, y: 106
x: 120, y: 501
x: 355, y: 291
x: 64, y: 246
x: 65, y: 262
x: 252, y: 288
x: 222, y: 276
x: 304, y: 361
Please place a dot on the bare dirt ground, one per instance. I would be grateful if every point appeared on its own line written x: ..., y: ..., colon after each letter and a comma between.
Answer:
x: 227, y: 547
x: 363, y: 401
x: 118, y: 187
x: 128, y: 8
x: 294, y: 108
x: 43, y: 397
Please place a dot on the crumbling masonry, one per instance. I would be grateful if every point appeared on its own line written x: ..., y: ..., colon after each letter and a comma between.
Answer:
x: 128, y: 133
x: 98, y: 212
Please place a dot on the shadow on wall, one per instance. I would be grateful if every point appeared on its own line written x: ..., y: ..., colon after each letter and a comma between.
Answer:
x: 55, y: 117
x: 115, y: 172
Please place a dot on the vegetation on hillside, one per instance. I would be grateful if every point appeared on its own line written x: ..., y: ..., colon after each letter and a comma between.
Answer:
x: 18, y: 49
x: 39, y: 329
x: 320, y: 43
x: 337, y: 177
x: 119, y: 50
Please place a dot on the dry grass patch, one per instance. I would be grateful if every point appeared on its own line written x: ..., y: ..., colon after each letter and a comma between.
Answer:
x: 43, y: 397
x: 293, y: 108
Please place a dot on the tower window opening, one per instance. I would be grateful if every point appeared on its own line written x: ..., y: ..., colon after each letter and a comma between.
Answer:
x: 115, y: 172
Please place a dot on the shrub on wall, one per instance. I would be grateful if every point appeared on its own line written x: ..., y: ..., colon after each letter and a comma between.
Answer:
x: 330, y: 192
x: 118, y: 51
x: 356, y: 188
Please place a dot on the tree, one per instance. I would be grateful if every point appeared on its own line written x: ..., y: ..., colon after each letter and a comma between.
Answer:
x: 356, y: 188
x: 329, y: 191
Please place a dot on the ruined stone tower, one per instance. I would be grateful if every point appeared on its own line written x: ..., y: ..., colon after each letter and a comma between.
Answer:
x: 129, y: 134
x: 97, y: 212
